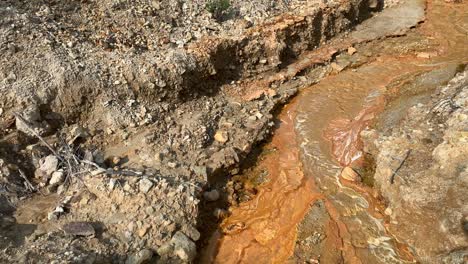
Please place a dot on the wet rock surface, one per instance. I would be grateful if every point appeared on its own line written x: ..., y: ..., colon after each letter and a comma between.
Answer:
x: 420, y: 165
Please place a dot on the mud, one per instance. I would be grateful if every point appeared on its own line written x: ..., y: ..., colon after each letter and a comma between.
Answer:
x: 348, y: 222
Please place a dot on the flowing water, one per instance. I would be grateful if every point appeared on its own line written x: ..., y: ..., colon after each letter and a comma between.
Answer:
x: 318, y: 134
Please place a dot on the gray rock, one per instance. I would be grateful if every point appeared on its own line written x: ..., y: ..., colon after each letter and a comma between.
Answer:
x: 165, y: 250
x: 211, y: 196
x: 184, y: 248
x: 32, y: 116
x: 141, y: 257
x: 79, y: 229
x: 192, y: 232
x: 49, y: 165
x: 145, y: 185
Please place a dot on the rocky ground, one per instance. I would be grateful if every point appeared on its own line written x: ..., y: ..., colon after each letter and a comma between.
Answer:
x: 126, y: 125
x: 421, y: 170
x: 116, y: 116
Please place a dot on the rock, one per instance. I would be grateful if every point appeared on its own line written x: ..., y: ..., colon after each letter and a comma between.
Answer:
x: 221, y: 136
x: 335, y: 66
x: 52, y: 216
x: 32, y: 116
x: 112, y: 183
x: 57, y: 177
x: 211, y: 196
x: 184, y: 248
x: 116, y: 161
x: 143, y: 230
x: 141, y: 257
x: 388, y: 211
x: 79, y: 229
x: 149, y: 210
x: 49, y: 165
x: 352, y: 50
x: 192, y: 232
x: 145, y: 185
x: 75, y: 133
x: 350, y: 175
x: 165, y: 250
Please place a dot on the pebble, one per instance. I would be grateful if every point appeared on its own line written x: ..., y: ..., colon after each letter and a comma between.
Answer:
x: 57, y: 177
x: 145, y: 185
x: 143, y: 230
x: 79, y: 229
x: 112, y: 183
x: 221, y: 136
x: 192, y: 232
x: 141, y: 257
x: 352, y: 50
x: 184, y: 248
x: 149, y: 210
x: 350, y: 175
x: 211, y: 196
x: 388, y: 211
x: 49, y: 165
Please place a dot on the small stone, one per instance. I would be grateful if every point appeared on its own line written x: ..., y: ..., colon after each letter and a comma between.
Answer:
x: 57, y: 177
x: 143, y: 230
x: 165, y: 250
x: 221, y: 136
x: 211, y: 196
x: 335, y: 66
x: 116, y: 161
x: 79, y: 229
x: 149, y: 210
x: 112, y: 183
x: 141, y: 257
x: 52, y: 216
x: 352, y: 50
x: 424, y: 55
x: 145, y: 185
x: 192, y: 232
x: 77, y: 132
x: 350, y: 175
x: 252, y: 118
x: 184, y: 248
x: 131, y: 226
x: 49, y: 165
x: 388, y: 211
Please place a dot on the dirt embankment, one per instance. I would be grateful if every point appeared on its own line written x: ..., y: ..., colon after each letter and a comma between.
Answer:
x: 116, y: 118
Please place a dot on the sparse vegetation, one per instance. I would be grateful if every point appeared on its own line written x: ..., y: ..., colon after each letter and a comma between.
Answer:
x: 218, y: 7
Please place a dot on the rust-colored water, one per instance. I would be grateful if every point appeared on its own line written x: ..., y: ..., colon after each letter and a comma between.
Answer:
x: 264, y: 230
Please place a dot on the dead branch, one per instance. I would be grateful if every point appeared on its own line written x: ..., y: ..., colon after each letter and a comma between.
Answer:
x: 27, y: 183
x: 392, y: 178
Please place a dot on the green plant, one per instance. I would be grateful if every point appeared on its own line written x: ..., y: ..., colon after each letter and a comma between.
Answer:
x: 218, y: 7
